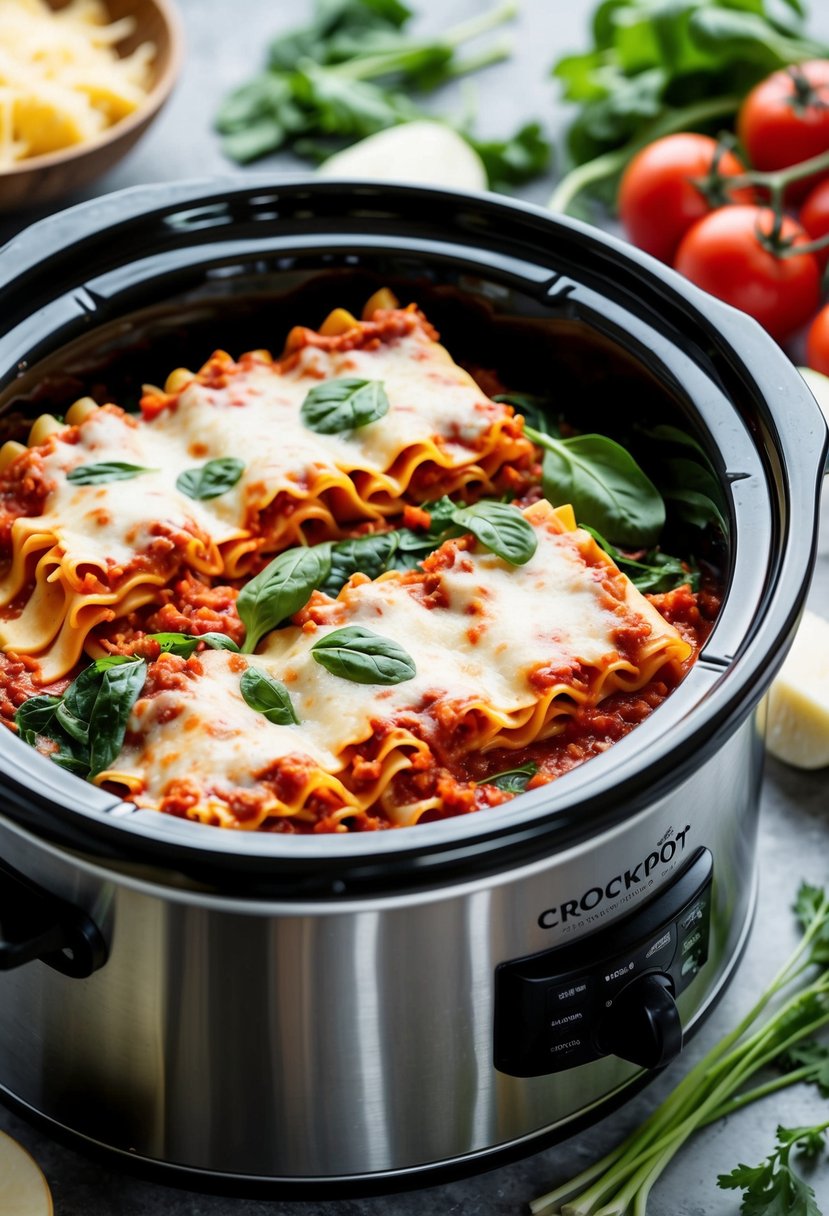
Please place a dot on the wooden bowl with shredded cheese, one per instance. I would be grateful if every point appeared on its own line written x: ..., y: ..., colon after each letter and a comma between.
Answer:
x: 80, y: 81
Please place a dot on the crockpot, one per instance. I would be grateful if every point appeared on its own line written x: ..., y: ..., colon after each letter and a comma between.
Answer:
x: 254, y: 1010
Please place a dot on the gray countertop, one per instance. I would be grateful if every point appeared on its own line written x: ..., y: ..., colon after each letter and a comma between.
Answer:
x: 222, y: 48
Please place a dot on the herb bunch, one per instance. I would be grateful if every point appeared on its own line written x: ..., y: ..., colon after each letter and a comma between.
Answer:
x: 351, y: 72
x: 620, y: 1183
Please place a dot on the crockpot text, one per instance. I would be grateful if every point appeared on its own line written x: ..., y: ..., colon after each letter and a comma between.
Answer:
x: 664, y: 854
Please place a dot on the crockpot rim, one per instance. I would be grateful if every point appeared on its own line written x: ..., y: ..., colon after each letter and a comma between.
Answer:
x: 496, y: 837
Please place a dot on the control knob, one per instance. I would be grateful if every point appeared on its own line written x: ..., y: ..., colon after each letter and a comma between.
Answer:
x: 643, y: 1024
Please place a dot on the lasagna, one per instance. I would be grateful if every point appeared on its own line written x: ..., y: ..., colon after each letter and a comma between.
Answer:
x: 316, y: 593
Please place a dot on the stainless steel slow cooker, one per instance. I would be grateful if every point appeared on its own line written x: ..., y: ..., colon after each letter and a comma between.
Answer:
x: 226, y: 1008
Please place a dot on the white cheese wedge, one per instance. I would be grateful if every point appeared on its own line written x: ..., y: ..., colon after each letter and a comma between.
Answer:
x: 427, y: 153
x: 23, y: 1189
x: 797, y: 730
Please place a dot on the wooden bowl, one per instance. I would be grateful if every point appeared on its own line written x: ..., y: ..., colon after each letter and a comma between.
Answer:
x: 40, y: 179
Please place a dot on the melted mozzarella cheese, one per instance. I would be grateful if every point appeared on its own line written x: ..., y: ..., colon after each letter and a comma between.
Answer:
x: 495, y: 625
x: 256, y: 419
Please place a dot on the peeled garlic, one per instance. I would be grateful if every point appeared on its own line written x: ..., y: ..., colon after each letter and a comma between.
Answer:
x: 427, y: 153
x: 23, y: 1189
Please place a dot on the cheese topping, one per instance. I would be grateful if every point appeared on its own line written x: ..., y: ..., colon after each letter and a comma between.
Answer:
x: 61, y: 80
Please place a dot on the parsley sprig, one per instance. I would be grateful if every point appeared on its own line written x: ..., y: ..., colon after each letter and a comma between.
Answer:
x: 779, y: 1027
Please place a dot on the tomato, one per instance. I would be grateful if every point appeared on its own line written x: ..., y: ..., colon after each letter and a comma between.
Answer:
x: 814, y: 217
x: 722, y: 253
x: 817, y: 342
x: 658, y: 201
x: 785, y: 119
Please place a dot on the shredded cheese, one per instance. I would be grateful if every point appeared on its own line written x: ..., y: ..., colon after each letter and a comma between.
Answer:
x: 62, y: 82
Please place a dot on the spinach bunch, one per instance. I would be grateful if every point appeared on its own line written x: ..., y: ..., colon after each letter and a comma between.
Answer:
x: 89, y: 721
x: 659, y: 66
x: 349, y: 73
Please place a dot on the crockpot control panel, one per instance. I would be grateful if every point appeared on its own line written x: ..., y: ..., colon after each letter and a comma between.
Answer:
x: 612, y: 993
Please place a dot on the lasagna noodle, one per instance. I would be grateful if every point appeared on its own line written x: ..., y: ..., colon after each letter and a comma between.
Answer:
x: 96, y: 547
x: 504, y: 655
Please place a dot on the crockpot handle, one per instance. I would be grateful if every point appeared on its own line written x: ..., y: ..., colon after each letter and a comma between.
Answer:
x: 34, y: 924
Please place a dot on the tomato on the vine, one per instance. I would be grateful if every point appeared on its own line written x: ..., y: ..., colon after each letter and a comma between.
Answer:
x: 785, y: 119
x: 814, y: 217
x: 817, y: 342
x: 725, y: 254
x: 658, y: 197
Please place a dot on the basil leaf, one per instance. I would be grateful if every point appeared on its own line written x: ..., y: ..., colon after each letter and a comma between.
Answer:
x: 357, y: 654
x: 694, y: 493
x: 185, y: 644
x: 513, y: 780
x: 501, y: 527
x: 35, y: 716
x: 268, y: 697
x: 533, y: 410
x: 604, y: 484
x: 119, y: 690
x: 368, y: 555
x: 343, y: 405
x: 97, y: 474
x: 211, y: 479
x: 280, y: 590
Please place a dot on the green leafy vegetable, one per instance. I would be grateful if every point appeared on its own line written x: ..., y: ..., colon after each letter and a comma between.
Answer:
x: 89, y: 721
x: 280, y: 590
x: 268, y: 697
x: 185, y: 644
x: 605, y: 486
x: 501, y: 527
x: 513, y: 780
x: 653, y: 572
x: 773, y: 1188
x: 656, y: 67
x: 350, y: 72
x: 343, y: 405
x: 357, y: 654
x: 718, y: 1085
x: 98, y: 474
x: 211, y: 479
x: 371, y: 555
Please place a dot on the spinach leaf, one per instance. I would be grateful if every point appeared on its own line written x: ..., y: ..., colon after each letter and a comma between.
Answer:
x: 280, y: 590
x: 35, y: 717
x: 501, y: 527
x: 654, y: 572
x: 605, y: 486
x: 97, y: 474
x: 513, y: 780
x: 343, y: 405
x: 370, y: 555
x: 184, y: 644
x: 534, y: 410
x: 511, y: 162
x: 357, y: 654
x: 211, y: 479
x: 655, y: 68
x: 694, y: 493
x: 89, y: 721
x: 268, y: 697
